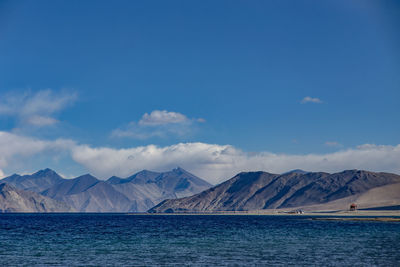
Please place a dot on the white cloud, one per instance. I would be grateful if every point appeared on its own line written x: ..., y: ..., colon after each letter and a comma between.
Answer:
x: 212, y: 162
x: 193, y: 156
x: 37, y: 108
x: 309, y: 99
x: 161, y: 117
x: 159, y: 123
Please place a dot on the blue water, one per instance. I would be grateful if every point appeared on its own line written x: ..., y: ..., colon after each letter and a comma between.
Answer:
x: 140, y: 240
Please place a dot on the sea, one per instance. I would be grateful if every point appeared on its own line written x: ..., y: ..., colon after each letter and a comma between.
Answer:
x: 194, y: 240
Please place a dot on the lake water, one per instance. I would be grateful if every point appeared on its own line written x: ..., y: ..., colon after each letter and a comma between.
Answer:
x: 145, y: 240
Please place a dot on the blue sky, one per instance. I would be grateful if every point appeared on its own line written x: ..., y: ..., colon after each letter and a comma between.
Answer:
x: 225, y: 73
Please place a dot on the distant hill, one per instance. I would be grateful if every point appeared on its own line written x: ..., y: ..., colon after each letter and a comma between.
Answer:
x: 86, y: 193
x: 262, y: 190
x: 36, y: 182
x: 16, y: 200
x: 146, y: 189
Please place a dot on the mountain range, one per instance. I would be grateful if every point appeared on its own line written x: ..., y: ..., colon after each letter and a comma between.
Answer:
x: 180, y: 191
x: 86, y: 193
x: 263, y: 190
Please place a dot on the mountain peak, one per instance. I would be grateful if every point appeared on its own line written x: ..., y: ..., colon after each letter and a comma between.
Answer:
x: 37, y: 182
x: 46, y: 171
x: 179, y: 170
x: 114, y: 180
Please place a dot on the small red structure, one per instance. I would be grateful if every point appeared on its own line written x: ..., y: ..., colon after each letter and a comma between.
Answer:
x: 353, y: 207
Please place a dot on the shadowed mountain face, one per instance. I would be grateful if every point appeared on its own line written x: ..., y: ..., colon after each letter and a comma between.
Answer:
x: 86, y: 193
x: 180, y: 182
x: 16, y: 200
x: 261, y: 190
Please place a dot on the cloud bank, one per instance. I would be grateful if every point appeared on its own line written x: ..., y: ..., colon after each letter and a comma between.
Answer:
x: 17, y: 148
x: 213, y: 162
x: 220, y: 162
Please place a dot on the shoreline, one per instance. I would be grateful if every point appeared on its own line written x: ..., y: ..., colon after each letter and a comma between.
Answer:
x: 343, y: 214
x: 358, y: 213
x: 374, y: 219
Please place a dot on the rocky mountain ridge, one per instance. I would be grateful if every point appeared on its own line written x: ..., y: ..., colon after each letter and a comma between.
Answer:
x: 262, y: 190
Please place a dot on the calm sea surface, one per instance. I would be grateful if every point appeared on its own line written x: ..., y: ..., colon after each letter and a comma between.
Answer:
x: 116, y: 239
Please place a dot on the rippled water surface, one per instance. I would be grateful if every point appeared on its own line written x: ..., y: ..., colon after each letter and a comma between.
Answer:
x: 144, y: 240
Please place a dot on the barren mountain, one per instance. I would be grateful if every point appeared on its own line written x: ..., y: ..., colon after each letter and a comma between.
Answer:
x: 145, y: 189
x: 16, y: 200
x: 86, y: 193
x: 261, y: 190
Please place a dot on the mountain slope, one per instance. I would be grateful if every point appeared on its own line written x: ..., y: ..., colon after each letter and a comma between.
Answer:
x: 180, y: 183
x: 340, y: 185
x: 280, y: 189
x: 88, y: 194
x: 71, y: 186
x: 146, y: 189
x: 16, y: 200
x: 99, y: 198
x: 382, y: 196
x: 230, y: 195
x: 261, y: 190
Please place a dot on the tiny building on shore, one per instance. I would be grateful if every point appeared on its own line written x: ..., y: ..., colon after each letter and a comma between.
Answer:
x: 353, y: 207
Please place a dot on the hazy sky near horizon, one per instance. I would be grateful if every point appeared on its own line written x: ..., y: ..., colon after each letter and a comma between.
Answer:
x: 216, y: 87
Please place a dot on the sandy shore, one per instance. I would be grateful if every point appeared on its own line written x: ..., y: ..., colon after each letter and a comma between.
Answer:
x: 340, y: 213
x: 376, y: 219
